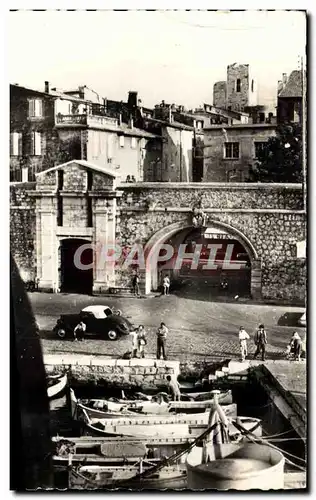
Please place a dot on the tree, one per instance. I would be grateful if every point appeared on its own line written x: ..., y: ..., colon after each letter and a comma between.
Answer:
x: 280, y: 160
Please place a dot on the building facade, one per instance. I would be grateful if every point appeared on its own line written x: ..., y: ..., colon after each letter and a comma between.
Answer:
x: 32, y: 141
x: 290, y: 98
x: 231, y: 151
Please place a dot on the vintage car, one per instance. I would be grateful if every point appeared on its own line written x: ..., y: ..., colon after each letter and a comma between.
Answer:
x: 100, y: 320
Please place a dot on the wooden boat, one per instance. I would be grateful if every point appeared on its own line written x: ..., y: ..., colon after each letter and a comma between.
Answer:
x: 223, y: 398
x: 101, y: 477
x: 98, y: 408
x: 56, y: 385
x: 179, y: 427
x: 105, y: 450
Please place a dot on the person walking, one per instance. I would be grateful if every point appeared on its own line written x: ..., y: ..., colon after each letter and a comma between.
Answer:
x: 173, y: 388
x: 243, y: 337
x: 79, y: 331
x: 166, y: 285
x: 141, y: 340
x: 296, y: 344
x: 135, y: 283
x: 260, y: 341
x: 134, y: 336
x: 161, y: 341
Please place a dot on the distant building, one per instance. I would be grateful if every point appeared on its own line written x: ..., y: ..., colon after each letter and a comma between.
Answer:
x: 241, y: 90
x: 290, y: 98
x: 231, y: 151
x: 219, y: 94
x: 53, y: 127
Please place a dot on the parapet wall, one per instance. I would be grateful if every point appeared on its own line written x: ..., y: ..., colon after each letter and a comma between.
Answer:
x: 128, y: 373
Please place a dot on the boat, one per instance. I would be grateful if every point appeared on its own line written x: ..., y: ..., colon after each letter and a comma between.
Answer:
x: 224, y: 397
x: 92, y: 450
x: 166, y: 426
x: 56, y: 385
x: 102, y: 477
x: 98, y: 408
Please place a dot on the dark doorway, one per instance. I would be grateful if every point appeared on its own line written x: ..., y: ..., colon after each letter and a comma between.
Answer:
x: 74, y: 279
x: 232, y: 273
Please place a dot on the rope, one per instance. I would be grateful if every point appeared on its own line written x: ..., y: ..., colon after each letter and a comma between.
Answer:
x: 255, y: 440
x: 168, y: 461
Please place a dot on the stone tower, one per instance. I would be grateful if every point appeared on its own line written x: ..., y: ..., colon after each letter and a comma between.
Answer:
x: 219, y: 95
x: 241, y: 87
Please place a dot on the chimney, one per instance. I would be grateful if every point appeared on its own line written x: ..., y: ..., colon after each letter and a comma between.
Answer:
x: 47, y: 87
x: 131, y: 122
x: 284, y: 78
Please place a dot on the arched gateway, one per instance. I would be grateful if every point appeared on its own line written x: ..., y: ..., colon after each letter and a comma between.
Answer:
x: 234, y: 258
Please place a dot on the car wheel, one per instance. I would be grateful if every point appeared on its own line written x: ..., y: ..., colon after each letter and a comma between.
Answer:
x: 112, y: 334
x: 61, y: 333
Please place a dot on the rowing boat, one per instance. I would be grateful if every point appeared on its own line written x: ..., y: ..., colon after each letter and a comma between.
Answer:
x: 56, y: 385
x: 98, y: 408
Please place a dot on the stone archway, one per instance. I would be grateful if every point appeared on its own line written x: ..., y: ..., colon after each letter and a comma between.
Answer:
x: 164, y: 234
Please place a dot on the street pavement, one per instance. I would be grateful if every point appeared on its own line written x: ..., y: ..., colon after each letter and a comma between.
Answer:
x: 198, y: 329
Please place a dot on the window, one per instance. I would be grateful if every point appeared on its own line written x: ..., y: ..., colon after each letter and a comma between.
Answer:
x: 16, y: 144
x: 259, y: 146
x: 252, y: 85
x: 35, y: 108
x: 133, y: 143
x: 122, y: 141
x: 36, y: 144
x: 231, y: 150
x: 60, y: 186
x: 238, y: 85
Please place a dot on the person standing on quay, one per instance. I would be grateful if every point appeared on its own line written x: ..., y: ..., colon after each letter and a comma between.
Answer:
x: 166, y: 285
x: 141, y: 340
x: 260, y: 341
x: 134, y: 336
x: 243, y: 337
x: 135, y: 283
x: 174, y: 389
x: 161, y: 341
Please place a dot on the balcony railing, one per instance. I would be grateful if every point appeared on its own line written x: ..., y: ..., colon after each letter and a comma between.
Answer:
x: 90, y: 120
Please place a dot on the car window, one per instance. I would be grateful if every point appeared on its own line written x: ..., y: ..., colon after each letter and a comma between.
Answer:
x: 86, y: 315
x: 107, y: 311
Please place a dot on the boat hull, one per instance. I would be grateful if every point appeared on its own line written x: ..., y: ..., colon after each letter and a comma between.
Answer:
x: 57, y: 389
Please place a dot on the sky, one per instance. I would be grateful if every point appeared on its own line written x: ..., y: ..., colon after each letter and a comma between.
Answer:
x: 175, y: 56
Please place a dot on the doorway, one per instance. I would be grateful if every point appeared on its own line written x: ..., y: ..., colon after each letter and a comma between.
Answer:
x: 72, y: 278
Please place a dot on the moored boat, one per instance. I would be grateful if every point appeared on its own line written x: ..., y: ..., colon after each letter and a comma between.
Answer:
x: 56, y: 385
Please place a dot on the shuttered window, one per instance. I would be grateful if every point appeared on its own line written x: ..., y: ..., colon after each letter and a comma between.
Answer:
x: 16, y: 144
x: 134, y: 143
x: 36, y: 144
x: 122, y: 141
x: 35, y: 108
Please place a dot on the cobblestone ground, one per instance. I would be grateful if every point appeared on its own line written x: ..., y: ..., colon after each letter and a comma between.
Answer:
x: 198, y: 330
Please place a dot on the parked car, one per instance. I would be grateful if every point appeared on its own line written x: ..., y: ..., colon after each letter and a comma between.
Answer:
x: 99, y: 320
x: 302, y: 320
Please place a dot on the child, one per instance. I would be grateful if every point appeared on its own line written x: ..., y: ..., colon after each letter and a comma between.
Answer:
x: 141, y: 340
x: 243, y: 337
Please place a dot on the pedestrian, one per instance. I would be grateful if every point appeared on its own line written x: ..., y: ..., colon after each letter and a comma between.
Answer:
x: 173, y: 388
x: 135, y: 283
x: 134, y: 335
x: 243, y: 337
x: 166, y: 285
x: 79, y: 331
x: 296, y: 344
x: 161, y: 341
x: 260, y: 341
x: 141, y: 340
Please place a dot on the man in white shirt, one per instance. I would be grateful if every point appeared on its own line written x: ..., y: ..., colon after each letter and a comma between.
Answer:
x: 243, y: 337
x: 134, y: 336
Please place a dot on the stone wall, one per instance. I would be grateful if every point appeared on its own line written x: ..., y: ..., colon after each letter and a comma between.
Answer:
x: 22, y: 229
x: 133, y: 373
x: 270, y: 216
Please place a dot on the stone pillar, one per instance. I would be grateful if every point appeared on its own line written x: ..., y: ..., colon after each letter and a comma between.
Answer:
x: 256, y: 276
x: 46, y: 244
x: 104, y: 241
